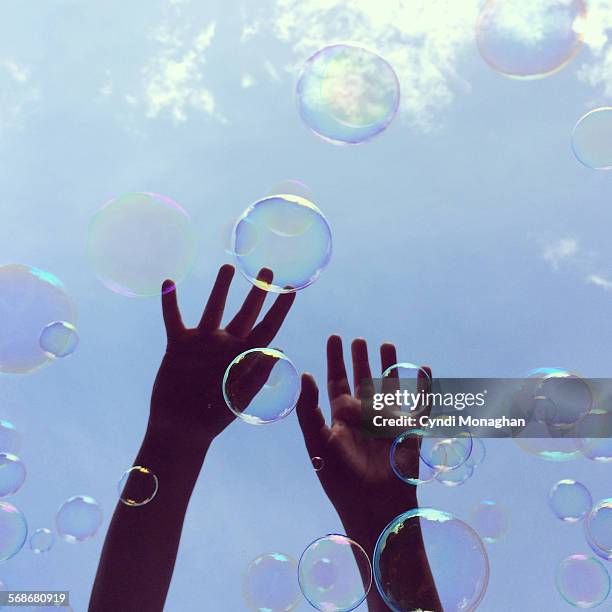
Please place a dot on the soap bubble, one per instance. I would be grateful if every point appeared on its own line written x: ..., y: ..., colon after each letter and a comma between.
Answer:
x: 478, y: 454
x: 137, y: 241
x: 490, y: 519
x: 570, y: 500
x: 525, y: 39
x: 78, y: 519
x: 138, y: 486
x: 59, y: 339
x: 405, y: 458
x: 598, y: 528
x: 317, y: 463
x: 261, y: 386
x: 291, y: 187
x: 41, y: 541
x: 456, y: 555
x: 270, y: 584
x: 446, y: 453
x: 408, y: 382
x: 286, y: 234
x: 592, y: 139
x: 10, y: 438
x: 13, y: 531
x: 583, y: 581
x: 332, y: 572
x: 457, y: 476
x: 12, y: 474
x: 347, y: 94
x: 31, y: 300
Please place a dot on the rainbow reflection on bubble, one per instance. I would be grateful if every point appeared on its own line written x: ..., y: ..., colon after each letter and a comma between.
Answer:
x: 137, y: 241
x: 583, y: 581
x: 527, y: 39
x: 598, y: 528
x: 335, y: 574
x: 78, y: 519
x: 59, y: 339
x: 570, y: 500
x: 457, y: 558
x: 138, y: 486
x: 490, y: 519
x: 270, y: 583
x: 347, y: 94
x: 42, y: 540
x: 31, y: 300
x: 13, y: 531
x: 12, y: 474
x: 10, y: 438
x: 286, y: 234
x: 592, y: 139
x: 261, y: 386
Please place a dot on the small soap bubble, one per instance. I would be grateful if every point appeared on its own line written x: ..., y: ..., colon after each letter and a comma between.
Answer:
x: 59, y: 339
x: 261, y: 386
x: 318, y: 464
x: 31, y: 300
x: 490, y: 519
x: 570, y: 500
x: 446, y: 453
x: 347, y: 94
x: 592, y: 139
x: 10, y: 438
x: 78, y: 519
x: 333, y: 574
x: 138, y: 486
x: 583, y: 581
x: 13, y: 531
x: 456, y: 555
x: 456, y: 476
x: 270, y: 583
x: 598, y: 528
x: 137, y: 241
x: 12, y: 474
x: 525, y: 39
x: 408, y: 383
x: 406, y: 461
x: 42, y: 540
x: 286, y: 234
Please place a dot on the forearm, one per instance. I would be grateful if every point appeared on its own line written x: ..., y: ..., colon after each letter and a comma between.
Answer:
x: 140, y: 549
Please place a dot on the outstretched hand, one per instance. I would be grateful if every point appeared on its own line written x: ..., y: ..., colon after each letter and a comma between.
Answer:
x: 187, y: 402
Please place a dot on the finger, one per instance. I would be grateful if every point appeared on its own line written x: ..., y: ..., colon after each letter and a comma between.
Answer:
x: 388, y: 357
x: 172, y: 314
x: 312, y: 423
x: 245, y: 318
x: 252, y: 377
x: 213, y: 312
x: 361, y: 365
x: 337, y: 380
x: 263, y: 333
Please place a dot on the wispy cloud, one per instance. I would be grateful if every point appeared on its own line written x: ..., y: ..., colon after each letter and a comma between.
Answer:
x: 16, y: 92
x: 600, y: 281
x: 560, y: 251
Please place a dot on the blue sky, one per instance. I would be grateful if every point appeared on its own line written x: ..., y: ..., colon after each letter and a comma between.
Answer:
x: 467, y: 233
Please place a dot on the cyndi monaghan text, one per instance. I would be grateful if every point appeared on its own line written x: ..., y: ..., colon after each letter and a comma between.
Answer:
x: 427, y: 422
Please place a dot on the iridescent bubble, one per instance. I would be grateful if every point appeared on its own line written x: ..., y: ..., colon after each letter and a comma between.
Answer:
x: 456, y: 476
x: 583, y: 581
x: 78, y: 519
x: 286, y: 234
x: 13, y: 531
x: 10, y: 438
x: 570, y: 500
x: 525, y: 39
x: 538, y: 439
x: 335, y: 574
x: 598, y: 528
x: 138, y: 486
x: 571, y: 398
x: 317, y: 463
x: 478, y: 454
x: 12, y: 474
x: 31, y: 300
x: 347, y: 94
x: 261, y: 386
x: 42, y: 540
x: 408, y: 383
x: 59, y: 339
x: 137, y: 241
x: 447, y: 453
x: 490, y: 519
x: 270, y: 585
x: 405, y: 458
x: 592, y: 139
x: 456, y: 555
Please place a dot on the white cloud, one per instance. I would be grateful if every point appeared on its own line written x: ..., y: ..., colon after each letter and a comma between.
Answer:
x: 16, y: 93
x: 600, y: 281
x: 247, y: 81
x: 560, y: 251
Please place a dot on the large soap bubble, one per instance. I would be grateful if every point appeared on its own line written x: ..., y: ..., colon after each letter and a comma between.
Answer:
x: 583, y: 581
x: 347, y: 94
x: 31, y: 300
x: 592, y: 139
